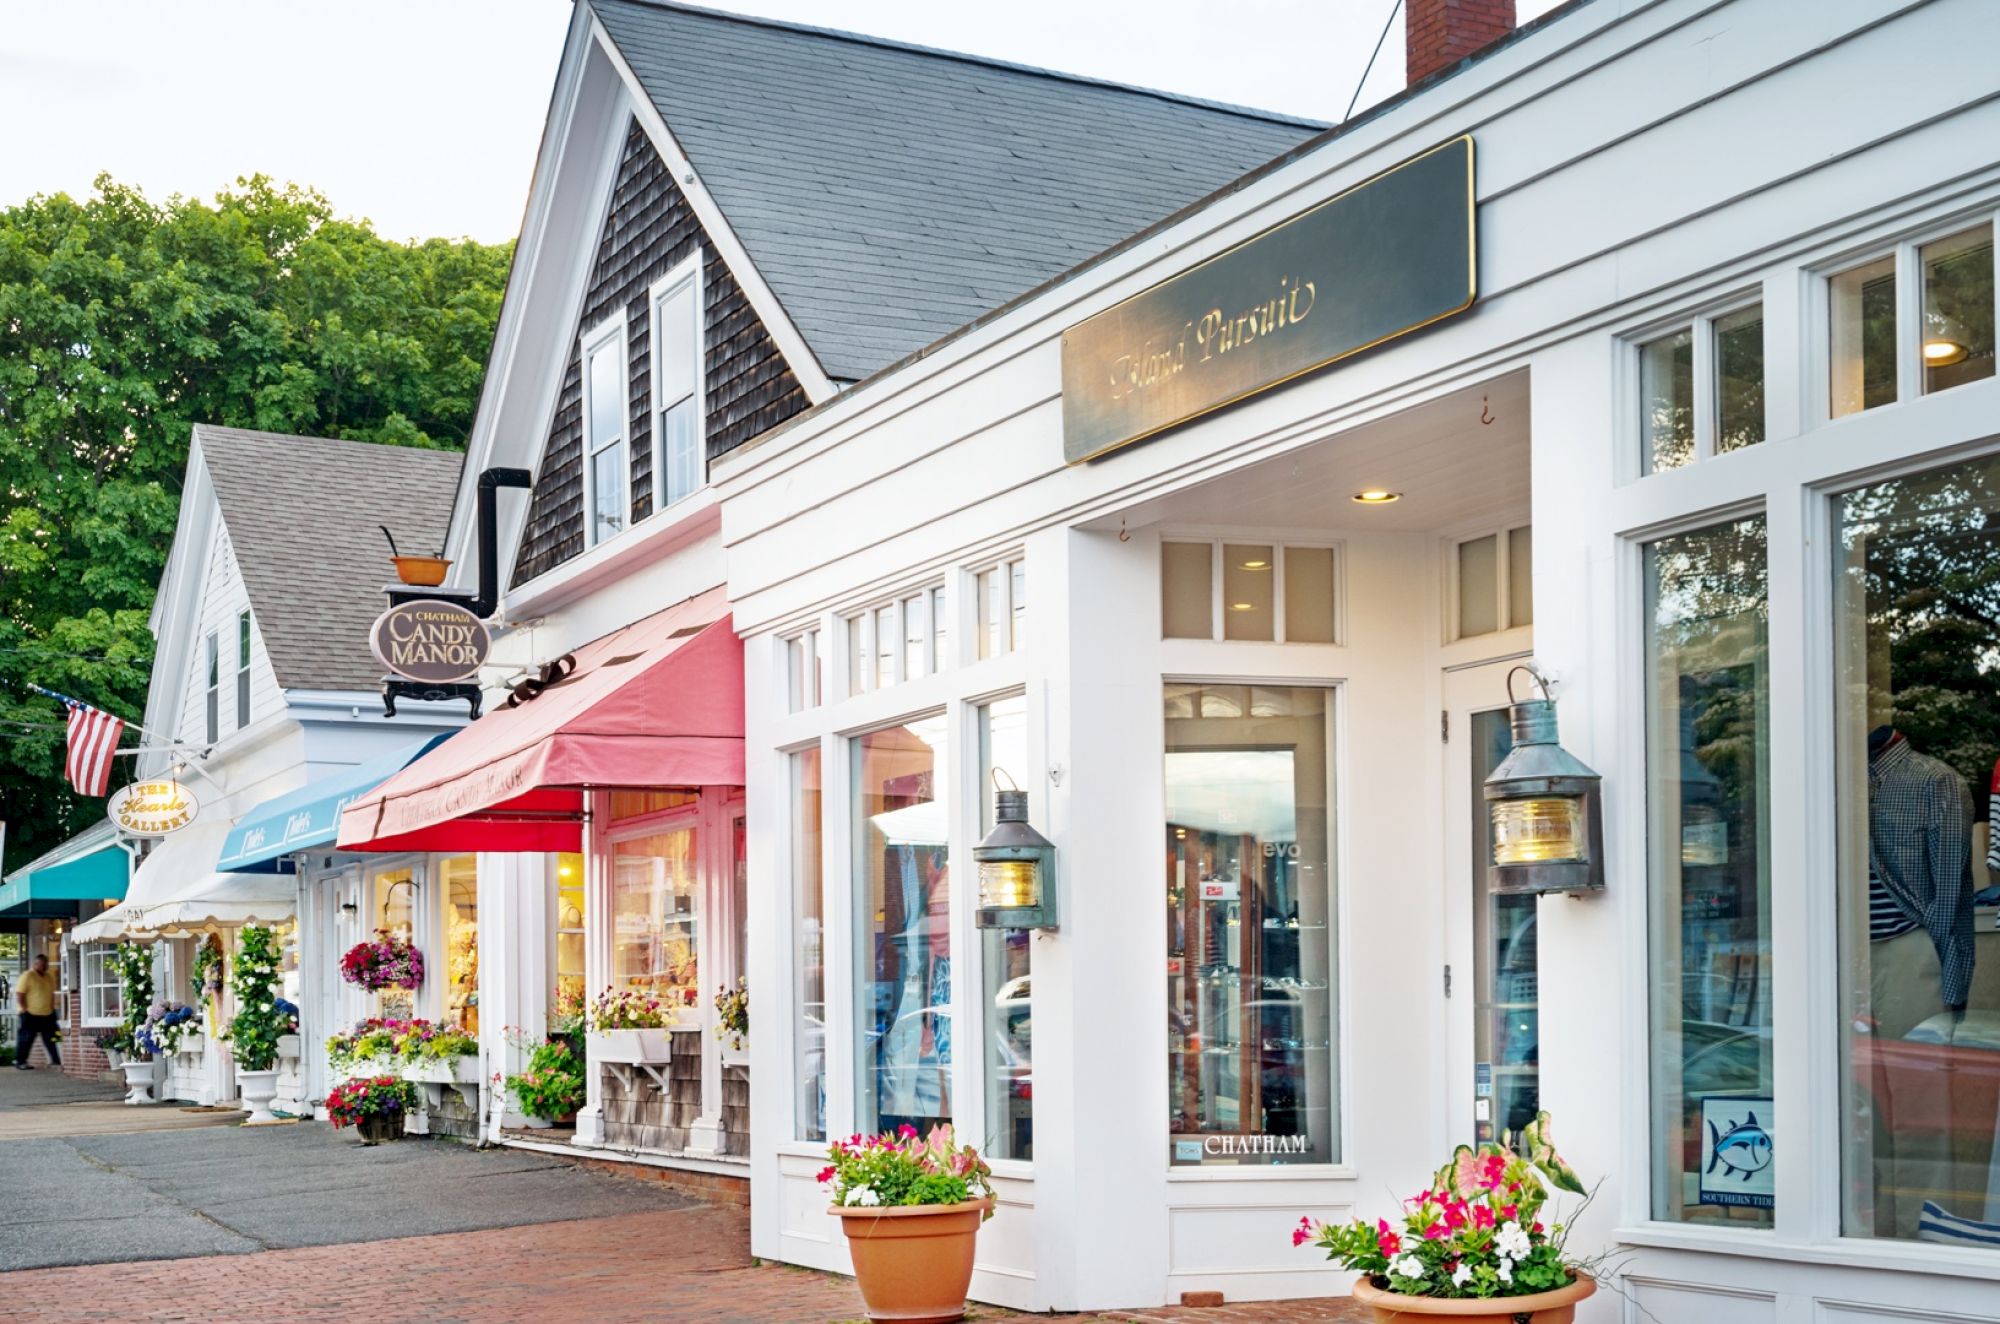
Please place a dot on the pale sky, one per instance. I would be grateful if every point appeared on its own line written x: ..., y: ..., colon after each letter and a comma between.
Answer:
x: 425, y: 115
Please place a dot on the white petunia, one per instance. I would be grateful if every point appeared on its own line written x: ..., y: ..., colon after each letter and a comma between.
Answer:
x: 1407, y: 1267
x: 1513, y: 1240
x: 865, y: 1197
x: 1461, y: 1274
x: 1506, y: 1270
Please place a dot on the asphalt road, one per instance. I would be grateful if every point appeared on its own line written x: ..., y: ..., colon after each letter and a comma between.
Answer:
x: 95, y: 1199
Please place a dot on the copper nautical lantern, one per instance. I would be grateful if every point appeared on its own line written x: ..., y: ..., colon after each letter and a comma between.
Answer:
x: 1544, y: 808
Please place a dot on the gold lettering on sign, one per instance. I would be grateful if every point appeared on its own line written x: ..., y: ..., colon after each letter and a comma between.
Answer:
x: 1214, y: 333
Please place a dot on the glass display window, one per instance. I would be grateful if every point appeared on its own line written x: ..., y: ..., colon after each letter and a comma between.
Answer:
x: 902, y: 927
x: 1252, y: 1053
x: 809, y: 947
x: 1006, y: 954
x: 569, y: 936
x: 1708, y: 849
x: 1917, y: 710
x: 656, y: 902
x: 458, y: 879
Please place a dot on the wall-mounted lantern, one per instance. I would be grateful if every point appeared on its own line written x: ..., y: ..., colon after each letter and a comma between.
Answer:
x: 1017, y: 869
x: 1544, y: 809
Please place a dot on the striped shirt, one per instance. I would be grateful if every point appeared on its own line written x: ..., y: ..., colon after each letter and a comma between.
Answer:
x: 1885, y: 918
x: 1920, y: 847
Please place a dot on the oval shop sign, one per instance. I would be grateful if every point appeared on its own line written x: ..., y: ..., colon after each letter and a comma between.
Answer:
x: 431, y: 641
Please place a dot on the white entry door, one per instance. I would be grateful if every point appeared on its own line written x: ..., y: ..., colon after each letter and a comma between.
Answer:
x: 1491, y: 970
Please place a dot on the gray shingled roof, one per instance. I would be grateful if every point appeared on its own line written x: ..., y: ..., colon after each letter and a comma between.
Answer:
x: 890, y: 193
x: 301, y: 514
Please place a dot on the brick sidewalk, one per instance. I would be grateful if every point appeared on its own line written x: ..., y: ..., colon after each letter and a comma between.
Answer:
x: 682, y: 1265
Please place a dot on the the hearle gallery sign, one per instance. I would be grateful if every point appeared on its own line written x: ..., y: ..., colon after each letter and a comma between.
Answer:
x: 1384, y: 258
x: 430, y: 641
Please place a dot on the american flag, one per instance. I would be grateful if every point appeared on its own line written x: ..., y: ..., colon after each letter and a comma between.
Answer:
x: 93, y: 734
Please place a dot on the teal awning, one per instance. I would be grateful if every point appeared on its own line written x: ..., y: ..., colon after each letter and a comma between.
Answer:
x: 264, y: 839
x: 52, y: 893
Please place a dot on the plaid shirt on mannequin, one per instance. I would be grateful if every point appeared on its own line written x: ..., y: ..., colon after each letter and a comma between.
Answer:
x: 1920, y: 846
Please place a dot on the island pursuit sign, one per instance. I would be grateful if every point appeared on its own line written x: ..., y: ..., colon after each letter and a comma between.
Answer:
x: 1388, y: 256
x: 430, y: 641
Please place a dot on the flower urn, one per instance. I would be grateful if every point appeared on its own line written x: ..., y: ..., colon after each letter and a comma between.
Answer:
x: 258, y: 1089
x: 913, y: 1263
x: 139, y: 1079
x: 1554, y: 1307
x: 377, y: 1127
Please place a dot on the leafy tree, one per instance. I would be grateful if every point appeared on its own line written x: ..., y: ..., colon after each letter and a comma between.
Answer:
x: 123, y: 323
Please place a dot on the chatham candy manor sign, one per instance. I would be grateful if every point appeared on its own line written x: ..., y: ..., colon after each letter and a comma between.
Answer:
x: 430, y: 641
x: 1386, y: 257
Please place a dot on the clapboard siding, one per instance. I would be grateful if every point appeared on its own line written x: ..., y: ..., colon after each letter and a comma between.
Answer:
x: 749, y: 388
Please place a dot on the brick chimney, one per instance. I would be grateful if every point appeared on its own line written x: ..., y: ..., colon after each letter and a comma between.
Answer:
x: 1439, y: 33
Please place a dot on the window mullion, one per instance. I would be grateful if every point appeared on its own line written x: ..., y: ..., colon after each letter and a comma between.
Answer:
x: 1909, y: 323
x: 1706, y: 406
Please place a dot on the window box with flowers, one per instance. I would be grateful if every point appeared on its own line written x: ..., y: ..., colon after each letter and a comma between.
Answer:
x: 631, y: 1028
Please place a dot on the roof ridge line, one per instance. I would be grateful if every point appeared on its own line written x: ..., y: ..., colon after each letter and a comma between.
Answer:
x: 966, y: 57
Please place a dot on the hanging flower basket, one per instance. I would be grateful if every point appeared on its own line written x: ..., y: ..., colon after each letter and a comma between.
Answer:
x: 387, y: 962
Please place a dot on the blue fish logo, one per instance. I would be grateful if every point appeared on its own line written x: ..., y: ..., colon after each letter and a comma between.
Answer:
x: 1743, y: 1150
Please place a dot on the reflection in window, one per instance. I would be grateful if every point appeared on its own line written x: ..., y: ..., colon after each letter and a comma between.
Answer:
x: 1004, y: 960
x: 809, y: 957
x: 1506, y: 972
x: 1864, y: 336
x: 1917, y: 634
x: 459, y: 878
x: 395, y: 912
x: 1666, y: 393
x: 569, y: 935
x: 902, y: 923
x: 1248, y: 592
x: 1739, y: 379
x: 654, y: 889
x: 1958, y: 309
x: 604, y: 437
x: 677, y: 358
x: 1708, y: 816
x: 1252, y: 1061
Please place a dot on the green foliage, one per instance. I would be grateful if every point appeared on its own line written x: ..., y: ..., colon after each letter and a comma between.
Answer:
x: 906, y: 1169
x: 253, y: 1034
x: 553, y: 1084
x: 123, y: 322
x: 133, y: 963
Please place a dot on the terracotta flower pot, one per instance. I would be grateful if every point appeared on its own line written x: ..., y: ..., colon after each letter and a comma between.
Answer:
x: 1557, y: 1307
x: 421, y: 571
x: 913, y: 1263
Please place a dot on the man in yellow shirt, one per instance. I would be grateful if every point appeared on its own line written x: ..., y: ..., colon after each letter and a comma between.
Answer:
x: 35, y: 995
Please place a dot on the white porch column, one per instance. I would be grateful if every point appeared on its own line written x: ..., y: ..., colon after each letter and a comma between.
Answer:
x: 598, y: 919
x: 513, y: 972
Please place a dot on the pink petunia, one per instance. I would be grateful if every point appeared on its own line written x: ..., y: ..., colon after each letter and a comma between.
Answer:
x: 1435, y: 1232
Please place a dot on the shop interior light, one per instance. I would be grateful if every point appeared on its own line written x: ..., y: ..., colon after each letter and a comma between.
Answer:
x: 1017, y: 869
x: 1256, y: 565
x: 1242, y: 606
x: 1376, y: 496
x: 1543, y: 807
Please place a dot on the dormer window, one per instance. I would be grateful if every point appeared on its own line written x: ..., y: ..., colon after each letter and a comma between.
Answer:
x: 606, y: 503
x: 677, y: 368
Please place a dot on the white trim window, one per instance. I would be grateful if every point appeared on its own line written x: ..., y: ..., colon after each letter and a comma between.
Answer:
x: 607, y: 462
x: 101, y: 1003
x: 212, y: 713
x: 678, y: 440
x: 1248, y: 592
x: 905, y: 639
x: 1492, y: 583
x: 1701, y: 389
x: 243, y: 668
x: 1916, y: 320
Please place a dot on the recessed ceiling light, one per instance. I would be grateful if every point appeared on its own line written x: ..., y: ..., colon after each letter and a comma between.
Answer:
x: 1376, y: 496
x: 1944, y: 352
x: 1256, y: 565
x: 1242, y: 606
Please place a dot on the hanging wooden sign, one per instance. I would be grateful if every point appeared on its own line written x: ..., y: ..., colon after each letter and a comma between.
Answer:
x: 152, y: 809
x: 431, y: 641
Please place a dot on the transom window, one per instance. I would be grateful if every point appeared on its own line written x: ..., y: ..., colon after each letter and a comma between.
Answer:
x: 891, y: 642
x: 1701, y: 389
x: 677, y: 364
x: 1250, y: 592
x: 1882, y: 351
x: 1493, y: 582
x: 605, y: 464
x: 1003, y: 607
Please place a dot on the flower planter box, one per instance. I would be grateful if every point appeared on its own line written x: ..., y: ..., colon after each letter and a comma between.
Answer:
x: 373, y: 1130
x: 289, y: 1045
x: 193, y: 1044
x: 735, y: 1057
x: 444, y: 1070
x: 632, y: 1047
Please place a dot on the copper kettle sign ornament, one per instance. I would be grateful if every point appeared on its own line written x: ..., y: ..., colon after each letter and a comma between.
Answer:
x: 431, y: 641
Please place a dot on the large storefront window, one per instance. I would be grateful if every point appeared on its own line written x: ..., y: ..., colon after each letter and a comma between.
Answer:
x: 809, y: 960
x: 902, y: 908
x: 1005, y: 954
x: 1708, y: 829
x: 458, y: 877
x: 569, y: 936
x: 1917, y: 629
x: 1250, y: 948
x: 655, y: 887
